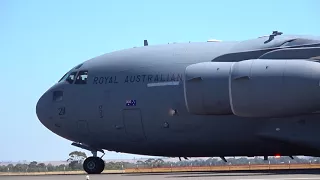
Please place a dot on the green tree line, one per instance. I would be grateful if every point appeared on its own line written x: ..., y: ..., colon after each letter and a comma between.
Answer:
x: 76, y: 159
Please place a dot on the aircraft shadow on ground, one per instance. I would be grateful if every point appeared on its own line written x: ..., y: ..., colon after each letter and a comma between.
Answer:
x: 230, y: 173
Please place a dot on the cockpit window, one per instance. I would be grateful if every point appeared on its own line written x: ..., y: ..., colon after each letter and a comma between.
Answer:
x: 71, y: 77
x: 63, y: 77
x: 82, y: 77
x: 67, y: 76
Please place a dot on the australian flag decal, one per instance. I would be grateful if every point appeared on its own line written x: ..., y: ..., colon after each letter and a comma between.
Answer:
x: 131, y: 103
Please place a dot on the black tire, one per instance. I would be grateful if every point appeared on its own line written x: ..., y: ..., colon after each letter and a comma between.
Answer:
x: 93, y: 165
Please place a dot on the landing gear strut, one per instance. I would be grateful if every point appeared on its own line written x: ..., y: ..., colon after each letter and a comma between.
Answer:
x: 93, y: 164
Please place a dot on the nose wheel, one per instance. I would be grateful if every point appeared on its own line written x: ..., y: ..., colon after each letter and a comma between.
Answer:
x: 93, y: 165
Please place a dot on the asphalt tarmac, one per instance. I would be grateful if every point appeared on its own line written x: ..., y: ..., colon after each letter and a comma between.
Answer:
x: 175, y: 176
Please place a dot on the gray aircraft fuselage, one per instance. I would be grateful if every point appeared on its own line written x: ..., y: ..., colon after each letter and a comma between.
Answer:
x: 139, y: 101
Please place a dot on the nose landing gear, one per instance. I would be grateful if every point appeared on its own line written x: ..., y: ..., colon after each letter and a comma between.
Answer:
x: 92, y: 164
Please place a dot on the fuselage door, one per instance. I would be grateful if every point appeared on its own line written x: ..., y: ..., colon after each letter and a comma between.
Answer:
x: 133, y: 124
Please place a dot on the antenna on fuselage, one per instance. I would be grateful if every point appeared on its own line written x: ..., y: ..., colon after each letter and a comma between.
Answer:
x: 145, y: 43
x: 271, y: 36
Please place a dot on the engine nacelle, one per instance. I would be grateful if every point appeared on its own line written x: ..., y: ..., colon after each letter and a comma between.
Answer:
x: 207, y: 88
x: 253, y: 88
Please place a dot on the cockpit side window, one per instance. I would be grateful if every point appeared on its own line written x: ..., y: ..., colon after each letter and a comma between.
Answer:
x: 71, y: 77
x: 64, y: 77
x: 82, y: 77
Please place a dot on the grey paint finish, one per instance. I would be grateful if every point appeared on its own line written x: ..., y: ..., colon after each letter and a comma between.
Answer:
x: 207, y: 88
x: 133, y: 124
x: 157, y: 77
x: 274, y: 88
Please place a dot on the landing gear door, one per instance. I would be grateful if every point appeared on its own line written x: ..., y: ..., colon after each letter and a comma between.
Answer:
x: 133, y: 124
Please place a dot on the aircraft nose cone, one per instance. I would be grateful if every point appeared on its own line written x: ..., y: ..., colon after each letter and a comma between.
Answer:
x: 41, y: 108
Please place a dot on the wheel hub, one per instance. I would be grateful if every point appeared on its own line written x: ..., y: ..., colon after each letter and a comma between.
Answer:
x: 91, y: 165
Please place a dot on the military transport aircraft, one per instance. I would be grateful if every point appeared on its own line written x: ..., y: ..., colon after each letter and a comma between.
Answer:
x: 258, y: 97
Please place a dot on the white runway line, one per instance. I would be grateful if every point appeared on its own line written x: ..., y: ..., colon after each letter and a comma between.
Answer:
x: 276, y: 178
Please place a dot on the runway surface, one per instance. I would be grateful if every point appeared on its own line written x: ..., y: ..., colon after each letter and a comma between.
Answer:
x: 175, y: 176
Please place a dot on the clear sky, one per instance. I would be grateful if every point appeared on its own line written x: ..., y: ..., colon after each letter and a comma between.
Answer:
x: 41, y: 40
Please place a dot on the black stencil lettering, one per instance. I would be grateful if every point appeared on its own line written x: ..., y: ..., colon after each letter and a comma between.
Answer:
x: 138, y: 78
x: 143, y: 77
x: 115, y: 80
x: 156, y: 79
x: 100, y: 111
x: 95, y: 80
x: 106, y: 79
x: 101, y: 80
x: 149, y: 78
x: 132, y: 78
x: 127, y: 79
x: 173, y: 77
x: 161, y: 78
x: 62, y: 111
x: 111, y: 79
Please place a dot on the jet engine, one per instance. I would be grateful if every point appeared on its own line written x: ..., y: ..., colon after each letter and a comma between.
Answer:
x: 253, y: 88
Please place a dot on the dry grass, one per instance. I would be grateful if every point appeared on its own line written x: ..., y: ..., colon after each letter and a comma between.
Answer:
x: 225, y: 168
x: 183, y: 169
